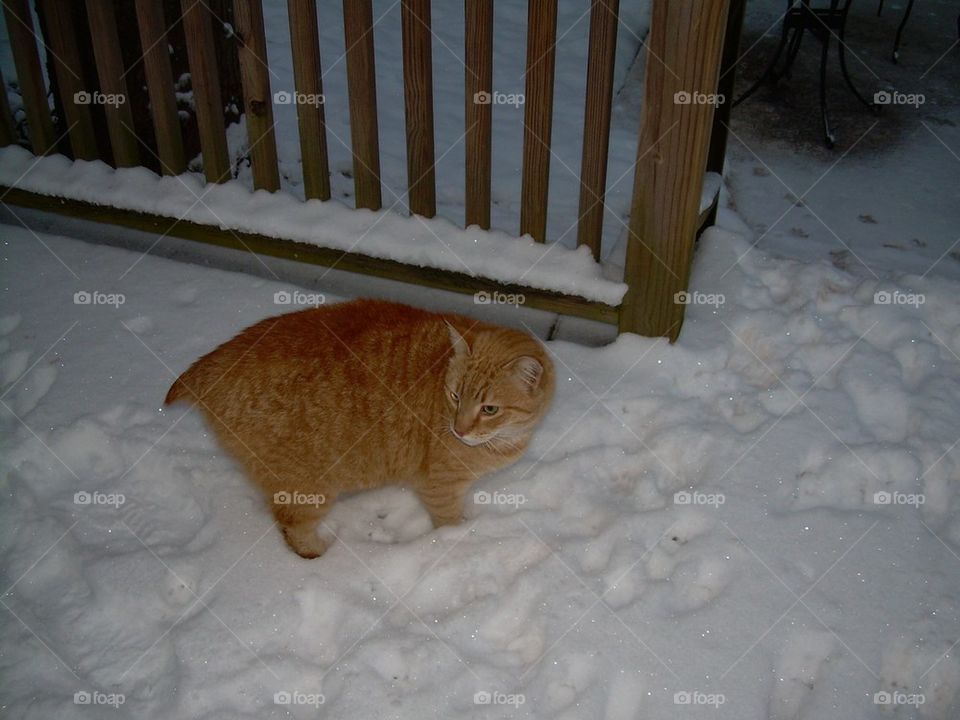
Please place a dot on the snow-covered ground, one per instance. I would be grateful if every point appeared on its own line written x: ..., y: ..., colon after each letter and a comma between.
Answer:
x: 706, y: 521
x: 760, y: 521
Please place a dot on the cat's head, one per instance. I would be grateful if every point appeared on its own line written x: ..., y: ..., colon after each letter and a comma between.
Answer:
x: 498, y: 386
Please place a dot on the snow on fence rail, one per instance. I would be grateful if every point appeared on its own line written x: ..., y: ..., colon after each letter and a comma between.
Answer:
x: 685, y: 43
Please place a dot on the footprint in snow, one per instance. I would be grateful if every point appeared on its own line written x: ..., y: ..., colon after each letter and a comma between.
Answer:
x: 32, y: 388
x: 693, y: 573
x: 513, y: 635
x: 140, y: 324
x: 9, y: 323
x: 387, y: 515
x: 14, y: 365
x: 568, y: 678
x: 26, y: 385
x: 184, y: 295
x: 798, y: 671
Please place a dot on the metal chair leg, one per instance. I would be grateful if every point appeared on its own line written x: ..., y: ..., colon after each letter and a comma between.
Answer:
x: 792, y: 51
x: 827, y: 133
x: 846, y: 74
x: 768, y: 72
x: 903, y: 24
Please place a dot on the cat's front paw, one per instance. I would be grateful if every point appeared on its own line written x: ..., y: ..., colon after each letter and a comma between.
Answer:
x: 440, y: 521
x: 305, y: 545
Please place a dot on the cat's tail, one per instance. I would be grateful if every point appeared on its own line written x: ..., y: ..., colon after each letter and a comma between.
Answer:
x: 181, y: 388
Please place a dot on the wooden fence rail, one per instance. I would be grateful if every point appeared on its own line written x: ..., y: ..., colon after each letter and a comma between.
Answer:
x: 362, y: 89
x: 106, y: 50
x: 305, y: 43
x: 686, y: 42
x: 418, y: 106
x: 205, y: 81
x: 8, y: 132
x: 33, y: 89
x: 58, y: 15
x: 478, y: 84
x: 257, y: 99
x: 538, y: 117
x: 596, y: 123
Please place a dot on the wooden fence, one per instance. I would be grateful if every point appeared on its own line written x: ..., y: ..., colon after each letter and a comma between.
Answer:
x: 685, y: 45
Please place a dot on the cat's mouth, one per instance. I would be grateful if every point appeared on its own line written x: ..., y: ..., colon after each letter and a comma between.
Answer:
x: 470, y: 442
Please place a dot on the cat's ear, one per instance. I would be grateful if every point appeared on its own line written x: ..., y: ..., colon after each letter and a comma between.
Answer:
x: 528, y: 370
x: 460, y: 346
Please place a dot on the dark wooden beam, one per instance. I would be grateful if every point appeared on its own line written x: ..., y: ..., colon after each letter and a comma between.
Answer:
x: 301, y: 252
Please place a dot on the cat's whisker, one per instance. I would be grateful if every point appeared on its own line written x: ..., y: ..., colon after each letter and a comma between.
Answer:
x: 501, y: 444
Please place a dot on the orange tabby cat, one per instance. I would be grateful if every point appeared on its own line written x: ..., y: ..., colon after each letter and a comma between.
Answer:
x: 366, y: 393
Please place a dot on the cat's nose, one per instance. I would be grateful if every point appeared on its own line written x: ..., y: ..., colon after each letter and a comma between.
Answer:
x: 460, y: 429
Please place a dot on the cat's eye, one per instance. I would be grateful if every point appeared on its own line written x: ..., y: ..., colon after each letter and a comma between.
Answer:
x: 489, y: 409
x: 454, y: 396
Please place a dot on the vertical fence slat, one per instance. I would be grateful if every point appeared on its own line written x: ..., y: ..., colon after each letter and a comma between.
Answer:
x: 106, y: 52
x: 33, y: 90
x: 685, y: 41
x: 538, y: 116
x: 418, y: 106
x: 163, y: 101
x: 58, y: 16
x: 305, y: 41
x: 257, y: 100
x: 596, y: 122
x: 478, y: 84
x: 205, y: 82
x: 8, y: 131
x: 362, y: 89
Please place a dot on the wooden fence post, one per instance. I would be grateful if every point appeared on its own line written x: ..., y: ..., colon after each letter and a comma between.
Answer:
x: 307, y: 79
x: 478, y: 86
x: 205, y: 82
x: 596, y: 122
x: 257, y: 99
x: 684, y: 45
x: 418, y: 106
x: 163, y: 101
x: 8, y: 132
x: 33, y: 90
x: 362, y: 91
x: 538, y: 116
x: 106, y: 51
x: 74, y: 98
